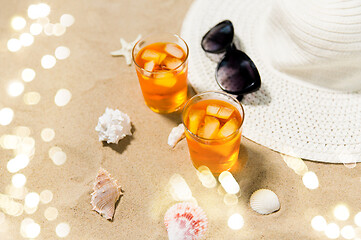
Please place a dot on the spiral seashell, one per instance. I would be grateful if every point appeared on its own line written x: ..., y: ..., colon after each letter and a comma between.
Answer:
x: 264, y: 201
x: 185, y: 221
x: 106, y: 194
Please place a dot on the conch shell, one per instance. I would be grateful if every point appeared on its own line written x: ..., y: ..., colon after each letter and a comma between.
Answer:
x: 106, y: 194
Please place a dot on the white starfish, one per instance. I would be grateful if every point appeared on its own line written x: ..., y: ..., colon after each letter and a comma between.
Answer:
x: 126, y: 50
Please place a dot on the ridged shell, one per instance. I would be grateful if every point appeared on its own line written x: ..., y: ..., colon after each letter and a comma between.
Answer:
x: 106, y: 194
x: 185, y: 221
x: 264, y: 201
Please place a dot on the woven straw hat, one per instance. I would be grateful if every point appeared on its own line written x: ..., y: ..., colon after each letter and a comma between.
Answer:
x: 308, y: 53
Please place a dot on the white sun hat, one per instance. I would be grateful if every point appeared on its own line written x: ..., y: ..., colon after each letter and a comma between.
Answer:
x: 308, y: 54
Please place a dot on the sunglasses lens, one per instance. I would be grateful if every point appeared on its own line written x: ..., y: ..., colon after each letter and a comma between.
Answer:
x: 218, y: 38
x: 237, y: 74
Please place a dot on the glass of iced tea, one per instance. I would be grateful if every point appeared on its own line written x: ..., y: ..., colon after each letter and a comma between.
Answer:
x: 161, y: 62
x: 213, y: 128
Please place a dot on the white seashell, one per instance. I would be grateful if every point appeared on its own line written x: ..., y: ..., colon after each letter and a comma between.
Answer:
x: 264, y: 201
x: 113, y: 125
x: 106, y: 194
x: 185, y: 221
x: 176, y: 135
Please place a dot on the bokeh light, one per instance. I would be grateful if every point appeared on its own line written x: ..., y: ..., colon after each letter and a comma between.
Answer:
x: 49, y: 29
x: 43, y: 21
x: 36, y: 28
x: 44, y: 10
x: 296, y: 164
x: 28, y: 74
x: 67, y: 20
x: 62, y: 230
x: 235, y: 221
x: 357, y: 219
x: 9, y: 206
x: 310, y: 180
x: 26, y: 147
x: 18, y: 180
x: 332, y: 231
x: 54, y: 150
x: 230, y: 199
x: 16, y: 192
x: 24, y: 223
x: 319, y: 223
x: 179, y: 188
x: 21, y: 161
x: 6, y: 116
x: 48, y: 61
x: 221, y: 191
x: 30, y: 210
x: 51, y: 213
x: 26, y: 39
x: 32, y: 230
x: 62, y: 97
x: 31, y: 98
x: 14, y: 209
x: 58, y: 29
x: 32, y: 200
x: 18, y: 23
x: 22, y: 131
x: 228, y: 182
x: 341, y: 212
x: 47, y: 134
x: 38, y: 10
x: 59, y: 158
x: 9, y: 141
x: 33, y: 11
x: 46, y: 196
x: 348, y: 232
x: 206, y: 177
x: 14, y: 45
x: 62, y: 52
x: 15, y: 89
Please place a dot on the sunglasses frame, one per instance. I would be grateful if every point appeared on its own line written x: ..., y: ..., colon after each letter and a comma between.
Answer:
x: 227, y: 49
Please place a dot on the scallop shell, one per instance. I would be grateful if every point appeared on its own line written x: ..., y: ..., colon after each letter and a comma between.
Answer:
x: 106, y: 194
x: 185, y: 221
x: 264, y: 201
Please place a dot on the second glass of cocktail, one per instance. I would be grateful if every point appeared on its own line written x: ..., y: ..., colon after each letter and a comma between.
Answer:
x: 213, y: 128
x: 161, y: 65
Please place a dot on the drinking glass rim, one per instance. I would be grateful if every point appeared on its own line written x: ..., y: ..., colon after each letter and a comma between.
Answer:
x: 155, y: 34
x: 216, y: 92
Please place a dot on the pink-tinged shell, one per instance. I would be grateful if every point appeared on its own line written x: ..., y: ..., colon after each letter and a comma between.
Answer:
x: 185, y: 221
x: 106, y: 194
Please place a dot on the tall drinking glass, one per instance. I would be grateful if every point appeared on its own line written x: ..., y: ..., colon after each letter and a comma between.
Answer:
x: 213, y: 128
x: 161, y: 63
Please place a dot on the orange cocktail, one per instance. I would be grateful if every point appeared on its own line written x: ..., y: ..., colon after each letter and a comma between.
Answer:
x: 213, y: 122
x: 161, y: 65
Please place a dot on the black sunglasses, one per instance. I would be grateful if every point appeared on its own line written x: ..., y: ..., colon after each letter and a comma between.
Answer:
x: 236, y: 72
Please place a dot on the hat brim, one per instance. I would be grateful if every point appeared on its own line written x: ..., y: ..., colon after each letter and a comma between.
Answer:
x: 286, y: 115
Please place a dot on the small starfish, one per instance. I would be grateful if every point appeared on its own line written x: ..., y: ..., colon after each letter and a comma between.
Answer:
x: 126, y: 50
